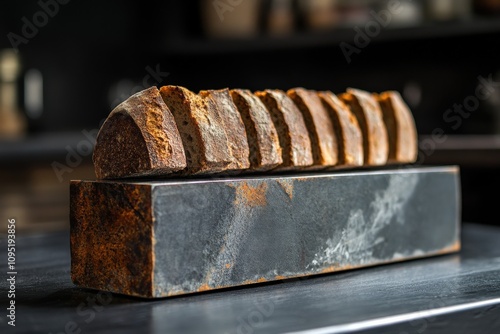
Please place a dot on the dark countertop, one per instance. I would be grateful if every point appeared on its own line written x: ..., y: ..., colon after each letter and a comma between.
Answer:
x: 455, y: 293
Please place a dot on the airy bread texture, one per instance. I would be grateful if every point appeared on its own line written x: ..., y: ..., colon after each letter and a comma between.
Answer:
x: 234, y: 127
x: 369, y: 115
x: 401, y: 130
x: 291, y: 127
x: 319, y: 125
x: 201, y: 129
x: 265, y: 149
x: 346, y: 127
x: 139, y: 138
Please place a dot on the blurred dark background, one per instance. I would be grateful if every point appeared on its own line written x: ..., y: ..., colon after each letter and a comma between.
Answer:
x: 65, y: 64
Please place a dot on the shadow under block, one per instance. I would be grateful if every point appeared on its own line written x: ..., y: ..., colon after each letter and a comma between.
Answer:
x: 172, y: 237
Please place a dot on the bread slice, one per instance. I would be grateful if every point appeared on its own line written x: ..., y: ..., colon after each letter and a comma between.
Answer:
x: 350, y: 140
x: 234, y: 127
x: 139, y: 138
x: 401, y: 130
x: 265, y: 149
x: 367, y: 111
x: 291, y: 127
x: 319, y: 125
x: 201, y: 130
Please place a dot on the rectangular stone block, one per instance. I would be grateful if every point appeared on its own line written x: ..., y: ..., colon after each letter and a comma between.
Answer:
x: 172, y: 237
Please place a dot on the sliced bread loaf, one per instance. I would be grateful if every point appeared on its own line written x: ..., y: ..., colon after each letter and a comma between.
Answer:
x: 139, y: 138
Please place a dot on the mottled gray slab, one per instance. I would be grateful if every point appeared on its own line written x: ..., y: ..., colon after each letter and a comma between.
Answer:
x: 210, y: 234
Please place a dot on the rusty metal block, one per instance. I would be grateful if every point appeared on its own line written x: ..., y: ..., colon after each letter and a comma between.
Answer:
x: 172, y: 237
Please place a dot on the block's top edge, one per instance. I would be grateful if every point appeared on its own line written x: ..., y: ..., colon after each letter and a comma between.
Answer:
x: 453, y: 169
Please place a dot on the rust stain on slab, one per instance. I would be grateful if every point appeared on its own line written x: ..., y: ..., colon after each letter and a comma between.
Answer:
x: 205, y: 287
x: 102, y: 216
x: 287, y: 186
x: 335, y: 268
x: 455, y: 247
x: 250, y: 195
x: 253, y: 281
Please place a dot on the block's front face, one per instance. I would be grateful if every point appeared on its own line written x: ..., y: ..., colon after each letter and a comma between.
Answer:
x: 111, y: 237
x: 217, y: 234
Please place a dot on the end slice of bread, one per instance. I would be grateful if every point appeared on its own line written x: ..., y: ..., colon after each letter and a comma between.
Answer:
x: 401, y: 130
x: 139, y: 138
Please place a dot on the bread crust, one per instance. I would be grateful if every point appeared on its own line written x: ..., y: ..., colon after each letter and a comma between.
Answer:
x: 175, y: 132
x: 350, y: 140
x: 139, y: 138
x: 201, y: 129
x: 291, y: 127
x: 369, y: 115
x: 401, y: 129
x: 265, y: 149
x: 319, y: 125
x: 234, y: 127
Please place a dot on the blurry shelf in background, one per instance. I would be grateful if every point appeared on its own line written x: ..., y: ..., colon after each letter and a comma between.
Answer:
x: 46, y: 147
x: 37, y: 196
x: 464, y: 150
x: 425, y: 30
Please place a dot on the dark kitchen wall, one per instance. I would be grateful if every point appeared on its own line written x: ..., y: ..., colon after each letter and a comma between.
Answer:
x: 94, y: 53
x: 82, y: 51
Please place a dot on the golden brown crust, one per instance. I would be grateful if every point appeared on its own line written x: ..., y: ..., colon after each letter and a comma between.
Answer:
x: 401, y: 130
x: 139, y: 138
x: 175, y: 131
x: 234, y: 127
x: 201, y: 129
x: 265, y: 149
x: 367, y: 111
x: 346, y: 127
x: 319, y: 125
x: 291, y: 127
